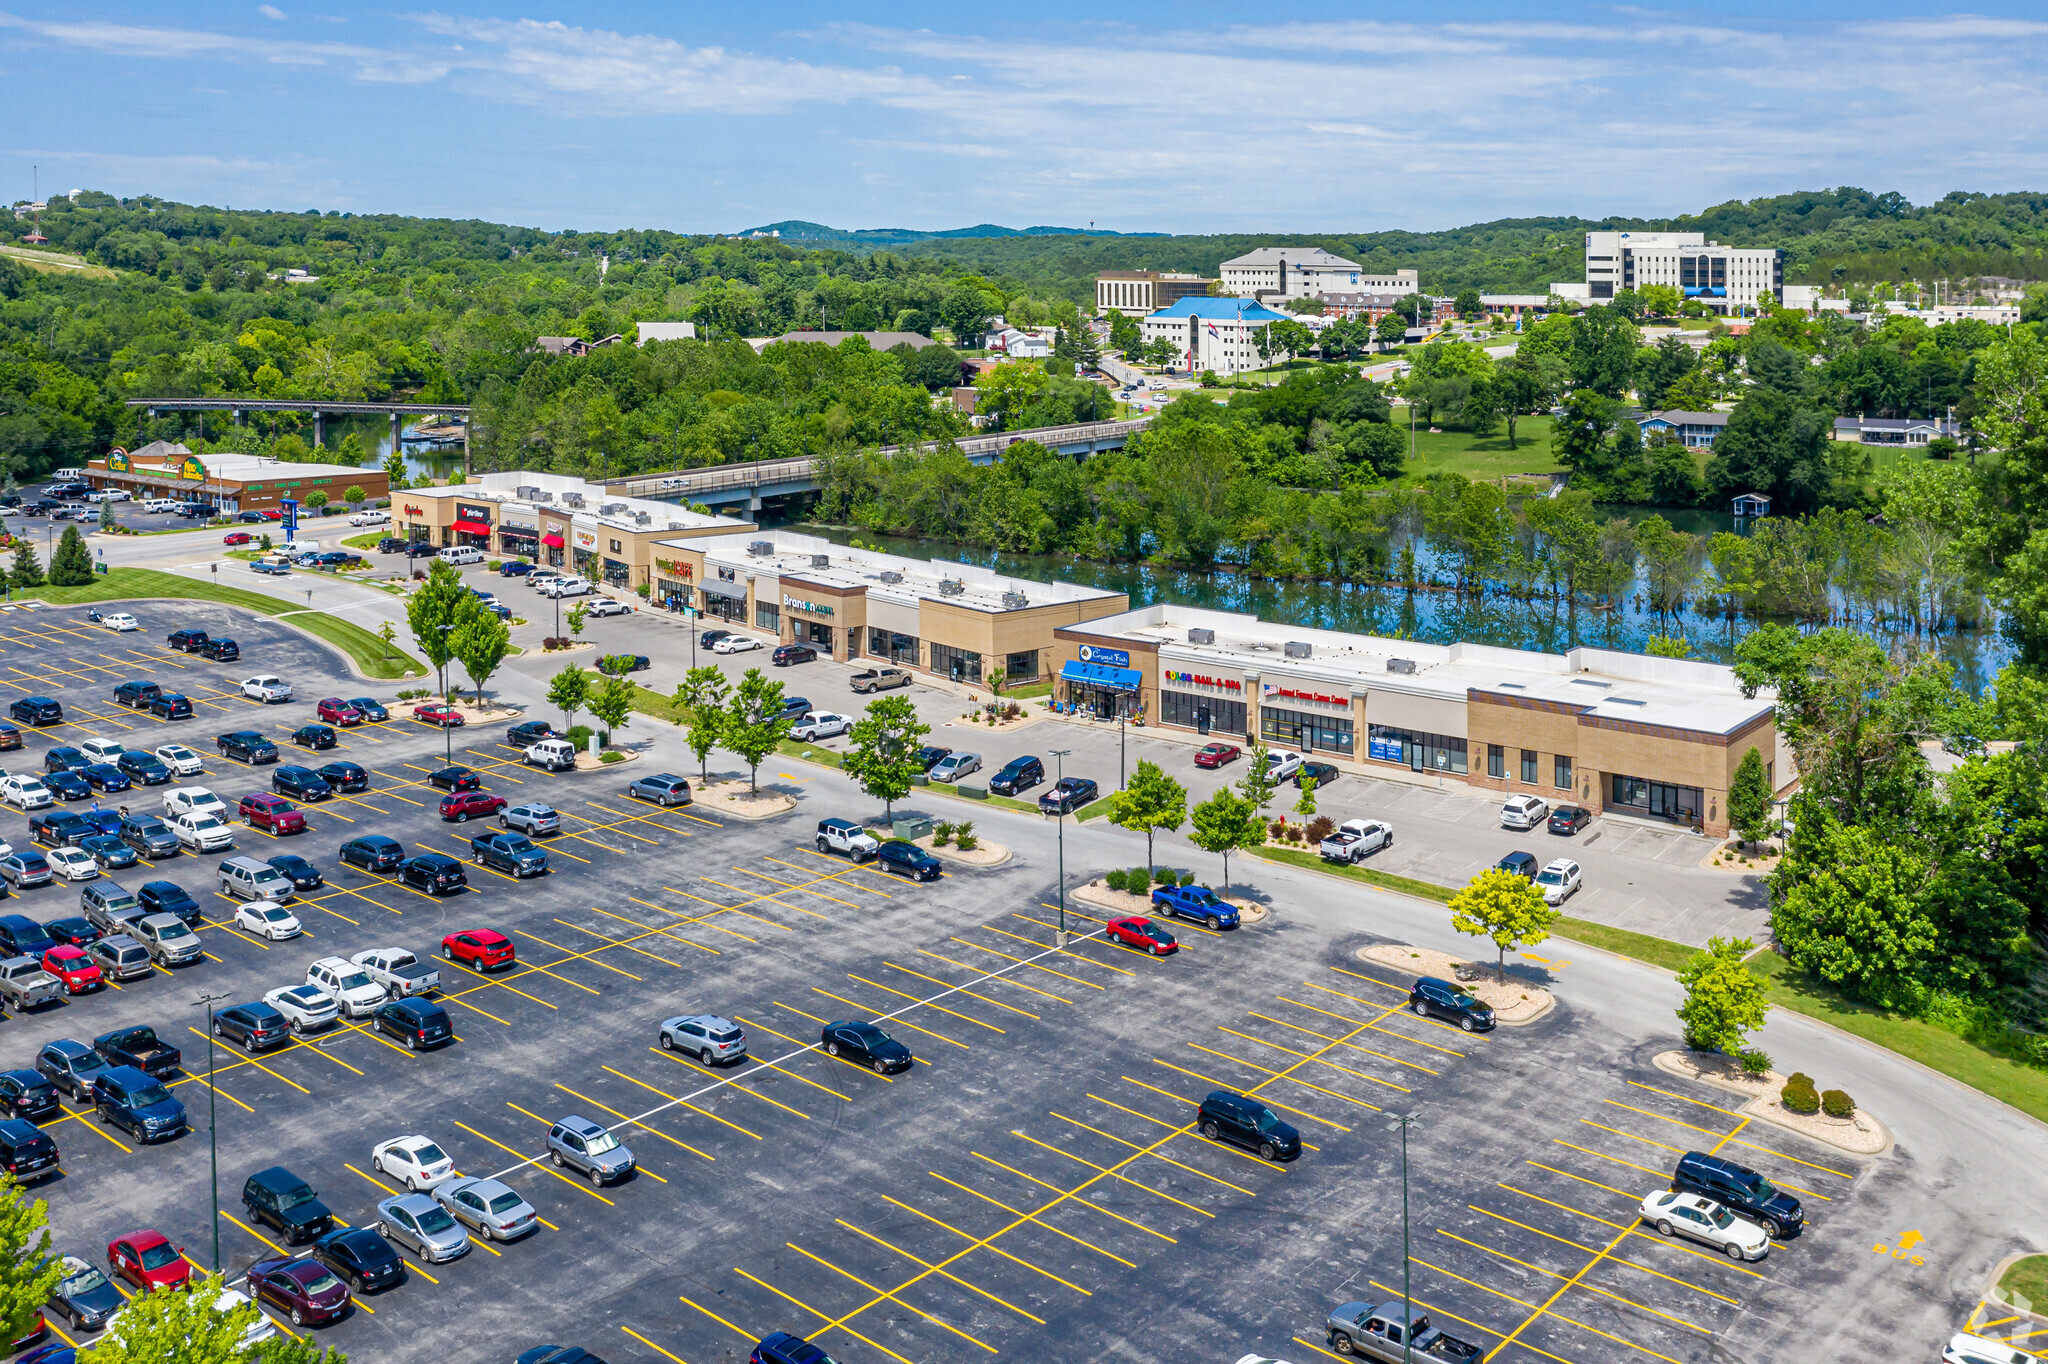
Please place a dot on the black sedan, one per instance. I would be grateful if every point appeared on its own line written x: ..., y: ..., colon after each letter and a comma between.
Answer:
x: 864, y: 1044
x: 109, y: 851
x: 617, y: 665
x: 68, y: 786
x: 928, y: 756
x: 146, y: 768
x: 314, y: 736
x: 72, y: 931
x: 1068, y: 795
x: 247, y: 746
x: 363, y: 1259
x: 373, y: 852
x: 434, y: 873
x: 300, y: 783
x: 172, y: 706
x: 372, y: 711
x: 1313, y: 775
x: 1569, y: 819
x: 456, y: 779
x: 106, y: 777
x: 84, y: 1297
x: 344, y: 777
x: 302, y: 874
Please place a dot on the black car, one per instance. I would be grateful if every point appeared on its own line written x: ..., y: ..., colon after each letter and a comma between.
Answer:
x: 363, y: 1259
x: 168, y: 897
x: 456, y: 779
x: 392, y: 544
x: 1569, y: 819
x: 148, y: 835
x: 420, y: 549
x: 928, y: 756
x: 146, y: 768
x: 21, y: 936
x: 1434, y: 998
x: 280, y: 1198
x: 300, y: 783
x: 65, y: 758
x: 86, y: 1298
x: 35, y: 710
x: 1313, y: 775
x: 528, y: 733
x: 248, y: 746
x: 373, y: 852
x: 343, y: 777
x: 786, y: 654
x: 711, y: 637
x: 106, y: 777
x: 617, y: 665
x: 1068, y: 795
x: 435, y: 873
x: 373, y: 711
x: 907, y: 859
x: 59, y: 828
x: 68, y: 786
x: 1521, y: 864
x: 27, y: 1094
x: 191, y: 641
x: 193, y: 510
x: 172, y: 706
x: 72, y: 930
x: 137, y: 695
x: 220, y: 650
x: 866, y: 1045
x: 109, y: 851
x: 302, y: 874
x: 26, y: 1151
x: 420, y: 1024
x: 1246, y: 1122
x: 1018, y: 774
x: 138, y: 1103
x: 1741, y: 1190
x: 314, y: 736
x: 252, y: 1027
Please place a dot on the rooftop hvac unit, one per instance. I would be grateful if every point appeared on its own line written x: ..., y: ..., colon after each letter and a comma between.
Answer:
x: 573, y: 499
x: 525, y: 494
x: 821, y: 561
x: 889, y: 575
x: 1400, y: 665
x: 643, y: 518
x: 677, y: 525
x: 611, y: 509
x: 761, y: 549
x: 542, y: 495
x: 1201, y: 635
x: 1015, y: 601
x: 950, y: 588
x: 1295, y: 648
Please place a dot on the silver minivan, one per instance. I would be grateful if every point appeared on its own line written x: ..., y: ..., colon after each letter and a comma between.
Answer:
x: 120, y: 957
x: 167, y: 940
x: 249, y: 879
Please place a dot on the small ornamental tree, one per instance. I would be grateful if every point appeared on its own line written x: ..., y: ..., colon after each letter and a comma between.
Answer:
x: 1152, y: 803
x: 438, y: 603
x: 569, y: 693
x: 700, y: 703
x: 354, y: 496
x: 1749, y: 798
x: 27, y: 571
x: 71, y: 564
x: 754, y: 723
x: 611, y: 701
x: 27, y: 1269
x: 480, y: 642
x: 1256, y: 785
x: 882, y: 754
x: 577, y: 615
x: 1225, y: 823
x: 1506, y: 907
x: 317, y: 499
x: 1724, y: 1003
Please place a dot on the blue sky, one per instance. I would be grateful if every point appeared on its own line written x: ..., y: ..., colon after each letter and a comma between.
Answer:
x: 1191, y: 116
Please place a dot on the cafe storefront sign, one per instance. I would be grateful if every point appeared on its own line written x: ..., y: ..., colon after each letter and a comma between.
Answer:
x: 809, y: 608
x: 675, y: 568
x: 117, y: 461
x: 586, y: 539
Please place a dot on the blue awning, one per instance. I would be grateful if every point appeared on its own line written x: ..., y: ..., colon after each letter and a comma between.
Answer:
x: 1099, y: 675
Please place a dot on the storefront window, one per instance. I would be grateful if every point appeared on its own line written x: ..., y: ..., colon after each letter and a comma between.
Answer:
x: 958, y: 664
x: 1561, y: 772
x: 1308, y: 732
x: 1021, y: 667
x: 1203, y: 714
x: 901, y: 650
x: 616, y: 573
x: 672, y: 596
x: 811, y: 632
x: 1415, y: 750
x: 725, y: 608
x: 1659, y: 800
x: 768, y: 616
x: 1496, y: 761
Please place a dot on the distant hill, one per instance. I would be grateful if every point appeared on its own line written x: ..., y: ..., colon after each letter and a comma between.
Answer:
x: 875, y: 238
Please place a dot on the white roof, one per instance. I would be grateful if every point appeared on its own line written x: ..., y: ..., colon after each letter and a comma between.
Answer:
x: 981, y: 589
x: 504, y: 489
x: 1300, y: 257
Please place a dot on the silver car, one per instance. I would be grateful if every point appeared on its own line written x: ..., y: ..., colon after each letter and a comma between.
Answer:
x: 581, y: 1144
x: 492, y: 1209
x: 663, y: 788
x: 533, y: 819
x: 954, y: 766
x: 705, y: 1036
x: 422, y: 1226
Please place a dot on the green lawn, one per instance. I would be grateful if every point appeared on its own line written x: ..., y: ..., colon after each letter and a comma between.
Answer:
x: 1295, y: 857
x: 371, y: 654
x: 1481, y: 457
x: 1641, y: 946
x: 2028, y: 1279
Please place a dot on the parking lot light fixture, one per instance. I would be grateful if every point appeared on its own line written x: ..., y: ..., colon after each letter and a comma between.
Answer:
x: 1405, y: 1123
x: 1060, y: 815
x: 207, y: 1002
x: 447, y: 733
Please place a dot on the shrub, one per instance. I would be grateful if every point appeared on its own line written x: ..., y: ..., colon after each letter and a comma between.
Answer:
x: 1320, y: 828
x: 1277, y: 830
x: 1187, y: 878
x: 1138, y: 881
x: 578, y: 737
x: 1116, y: 878
x: 613, y: 757
x: 1754, y: 1062
x: 1836, y: 1103
x: 1164, y: 876
x: 942, y: 834
x: 1799, y: 1096
x: 963, y: 837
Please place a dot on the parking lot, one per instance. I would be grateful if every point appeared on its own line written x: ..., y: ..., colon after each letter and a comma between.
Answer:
x: 1034, y: 1185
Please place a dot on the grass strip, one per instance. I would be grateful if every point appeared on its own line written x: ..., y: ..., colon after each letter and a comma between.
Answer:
x: 369, y: 652
x: 1640, y: 946
x: 1406, y: 885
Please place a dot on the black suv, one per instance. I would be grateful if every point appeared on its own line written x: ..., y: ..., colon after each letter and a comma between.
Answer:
x: 1742, y: 1190
x: 221, y: 650
x: 248, y: 746
x: 786, y: 654
x: 344, y: 777
x: 1225, y: 1116
x: 136, y: 695
x: 36, y: 710
x: 392, y: 544
x: 285, y: 1201
x: 171, y: 706
x: 527, y: 733
x: 302, y: 874
x: 252, y: 1027
x: 25, y: 1152
x: 168, y: 897
x: 1018, y: 774
x: 21, y: 936
x: 899, y: 855
x: 65, y: 758
x: 146, y: 768
x: 300, y: 783
x: 418, y: 1023
x: 27, y: 1094
x: 373, y: 852
x: 433, y: 873
x: 1431, y: 997
x: 191, y: 641
x: 1521, y: 864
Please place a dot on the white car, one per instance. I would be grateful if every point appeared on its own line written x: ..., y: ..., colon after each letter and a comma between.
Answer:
x: 269, y: 919
x: 348, y: 983
x: 1282, y: 763
x: 267, y: 689
x: 735, y: 644
x: 73, y: 864
x: 541, y: 577
x: 1559, y: 880
x: 202, y: 833
x: 120, y: 622
x: 114, y: 495
x: 26, y: 791
x: 260, y: 1329
x: 102, y: 750
x: 1704, y: 1220
x: 181, y: 760
x: 193, y: 800
x: 415, y: 1162
x: 610, y: 606
x: 1964, y: 1348
x: 822, y: 724
x: 567, y: 587
x: 307, y: 1006
x: 1523, y: 812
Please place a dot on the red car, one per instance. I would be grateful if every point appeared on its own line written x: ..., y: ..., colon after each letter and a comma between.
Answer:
x: 271, y: 515
x: 74, y: 968
x: 335, y: 711
x: 435, y: 713
x: 301, y: 1286
x: 238, y: 537
x: 148, y: 1260
x: 463, y: 806
x: 1215, y: 755
x: 274, y: 813
x: 1140, y: 932
x: 478, y: 948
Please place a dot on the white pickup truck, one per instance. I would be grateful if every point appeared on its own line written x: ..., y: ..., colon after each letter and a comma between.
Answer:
x: 194, y: 800
x: 399, y: 971
x: 1354, y: 839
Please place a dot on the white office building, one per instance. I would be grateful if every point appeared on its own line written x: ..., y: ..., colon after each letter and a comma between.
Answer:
x: 1304, y: 272
x: 1722, y: 278
x: 1220, y: 334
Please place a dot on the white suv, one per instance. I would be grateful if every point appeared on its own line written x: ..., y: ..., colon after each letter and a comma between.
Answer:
x: 102, y: 750
x: 267, y: 688
x: 1523, y: 812
x: 26, y: 791
x: 349, y: 983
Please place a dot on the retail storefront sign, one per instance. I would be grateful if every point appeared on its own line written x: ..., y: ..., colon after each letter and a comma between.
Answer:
x: 586, y: 539
x: 676, y: 568
x: 1107, y: 658
x: 192, y: 469
x: 1188, y: 679
x: 1269, y: 691
x: 809, y: 608
x: 117, y: 461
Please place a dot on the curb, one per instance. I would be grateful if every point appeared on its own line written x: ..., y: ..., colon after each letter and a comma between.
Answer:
x: 1763, y: 1114
x: 1550, y: 996
x: 1990, y: 1293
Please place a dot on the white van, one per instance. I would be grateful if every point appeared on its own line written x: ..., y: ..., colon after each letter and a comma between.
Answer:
x: 370, y: 516
x: 158, y: 505
x: 65, y: 475
x: 556, y: 755
x: 301, y: 547
x: 462, y: 555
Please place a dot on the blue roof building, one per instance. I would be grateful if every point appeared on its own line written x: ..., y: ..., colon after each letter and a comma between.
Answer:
x: 1218, y: 334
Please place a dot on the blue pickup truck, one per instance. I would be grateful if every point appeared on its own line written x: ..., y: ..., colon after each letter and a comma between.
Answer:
x: 1195, y: 902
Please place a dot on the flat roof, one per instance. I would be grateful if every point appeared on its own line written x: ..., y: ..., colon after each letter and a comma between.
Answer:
x: 981, y: 589
x: 239, y: 468
x: 514, y: 488
x: 1673, y: 693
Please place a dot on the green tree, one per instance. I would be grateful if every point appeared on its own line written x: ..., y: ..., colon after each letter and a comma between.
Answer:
x: 966, y: 312
x: 354, y: 495
x: 1506, y: 907
x: 754, y: 723
x: 394, y: 472
x: 611, y: 702
x: 480, y: 641
x: 578, y: 614
x: 1225, y: 823
x: 27, y: 1270
x: 106, y: 517
x: 317, y: 499
x: 1668, y: 646
x: 1256, y: 785
x: 569, y: 693
x: 1467, y: 303
x: 1724, y: 1002
x: 433, y: 611
x: 1152, y: 802
x: 700, y: 704
x: 27, y: 571
x: 1778, y: 445
x: 1660, y: 300
x: 881, y: 754
x: 1749, y: 798
x: 1849, y: 906
x: 71, y: 564
x: 178, y: 1328
x: 1390, y: 330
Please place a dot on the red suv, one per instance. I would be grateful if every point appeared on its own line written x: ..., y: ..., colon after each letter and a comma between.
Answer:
x: 78, y: 972
x: 463, y: 806
x: 447, y: 717
x: 148, y: 1260
x: 335, y: 711
x: 478, y: 948
x: 274, y: 813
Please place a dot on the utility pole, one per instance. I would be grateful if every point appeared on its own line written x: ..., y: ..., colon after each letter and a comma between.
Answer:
x: 1059, y: 774
x: 212, y: 1141
x: 1404, y: 1123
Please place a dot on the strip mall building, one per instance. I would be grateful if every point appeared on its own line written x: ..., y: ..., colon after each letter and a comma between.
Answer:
x: 229, y: 482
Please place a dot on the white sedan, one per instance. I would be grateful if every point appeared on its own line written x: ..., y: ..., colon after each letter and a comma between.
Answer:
x: 268, y: 919
x: 120, y: 622
x: 415, y: 1162
x: 73, y: 864
x: 822, y: 724
x: 610, y: 606
x: 1559, y: 880
x: 181, y: 759
x: 1704, y: 1220
x: 735, y: 644
x: 307, y: 1006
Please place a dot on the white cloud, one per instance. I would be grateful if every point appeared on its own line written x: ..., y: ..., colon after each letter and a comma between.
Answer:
x: 270, y: 11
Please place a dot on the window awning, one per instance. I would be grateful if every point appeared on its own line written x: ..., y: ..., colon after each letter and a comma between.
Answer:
x: 735, y: 591
x: 473, y: 527
x: 1101, y: 675
x: 552, y: 541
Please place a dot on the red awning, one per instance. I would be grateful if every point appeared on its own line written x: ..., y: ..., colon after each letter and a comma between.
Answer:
x: 552, y: 541
x: 473, y: 527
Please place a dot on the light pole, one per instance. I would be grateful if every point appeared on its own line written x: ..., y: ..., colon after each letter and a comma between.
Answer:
x: 1404, y: 1123
x: 447, y: 734
x: 1059, y: 774
x: 1121, y: 763
x: 212, y: 1142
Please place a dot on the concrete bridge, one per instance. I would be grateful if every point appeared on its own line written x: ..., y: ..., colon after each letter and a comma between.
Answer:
x: 752, y: 481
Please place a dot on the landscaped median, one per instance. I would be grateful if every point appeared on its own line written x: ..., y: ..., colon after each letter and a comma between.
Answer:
x: 371, y: 655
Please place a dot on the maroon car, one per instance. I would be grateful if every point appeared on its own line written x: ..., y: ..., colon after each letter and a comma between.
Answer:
x: 447, y: 717
x: 300, y: 1286
x: 464, y: 806
x: 336, y: 711
x: 1215, y: 755
x: 274, y: 813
